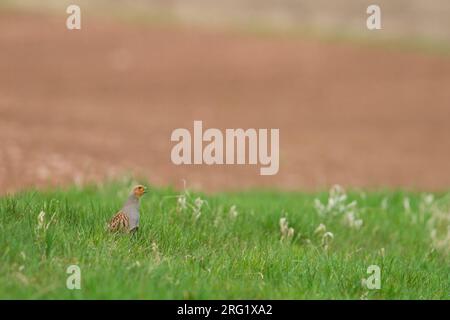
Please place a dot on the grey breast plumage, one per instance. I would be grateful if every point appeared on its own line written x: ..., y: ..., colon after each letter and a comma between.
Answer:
x: 131, y: 209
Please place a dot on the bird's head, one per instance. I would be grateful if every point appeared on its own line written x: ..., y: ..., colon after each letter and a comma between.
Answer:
x: 139, y: 191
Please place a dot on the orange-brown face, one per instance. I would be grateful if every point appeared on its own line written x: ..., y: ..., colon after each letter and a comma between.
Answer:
x: 139, y: 190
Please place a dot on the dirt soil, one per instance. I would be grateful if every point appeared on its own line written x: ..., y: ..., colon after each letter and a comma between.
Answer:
x: 77, y: 106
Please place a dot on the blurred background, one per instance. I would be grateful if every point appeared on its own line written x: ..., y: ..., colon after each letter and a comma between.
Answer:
x: 355, y: 107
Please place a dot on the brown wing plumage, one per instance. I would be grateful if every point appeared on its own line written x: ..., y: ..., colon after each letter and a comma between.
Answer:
x: 119, y: 222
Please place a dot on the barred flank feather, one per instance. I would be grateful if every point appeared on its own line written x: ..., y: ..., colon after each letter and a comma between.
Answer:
x: 119, y: 222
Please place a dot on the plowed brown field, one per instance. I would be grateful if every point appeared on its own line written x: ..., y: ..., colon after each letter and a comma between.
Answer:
x: 84, y: 105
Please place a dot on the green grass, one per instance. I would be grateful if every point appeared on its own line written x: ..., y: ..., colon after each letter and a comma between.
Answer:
x: 216, y: 256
